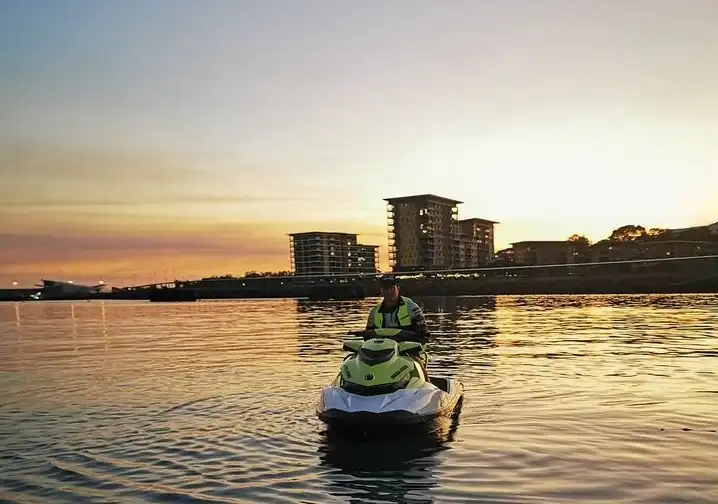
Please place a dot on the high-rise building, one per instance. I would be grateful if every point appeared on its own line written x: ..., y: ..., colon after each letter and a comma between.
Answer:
x: 367, y: 259
x: 476, y: 242
x: 328, y: 253
x: 423, y: 232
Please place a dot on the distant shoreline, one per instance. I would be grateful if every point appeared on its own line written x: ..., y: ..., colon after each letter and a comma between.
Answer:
x: 701, y: 281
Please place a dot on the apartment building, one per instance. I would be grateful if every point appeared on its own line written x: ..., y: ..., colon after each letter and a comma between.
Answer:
x: 476, y: 242
x: 329, y: 253
x: 425, y: 233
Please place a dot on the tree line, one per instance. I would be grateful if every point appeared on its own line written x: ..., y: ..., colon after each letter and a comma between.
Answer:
x: 634, y: 232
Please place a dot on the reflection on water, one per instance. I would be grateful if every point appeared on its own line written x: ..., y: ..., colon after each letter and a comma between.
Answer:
x: 390, y: 468
x: 568, y: 399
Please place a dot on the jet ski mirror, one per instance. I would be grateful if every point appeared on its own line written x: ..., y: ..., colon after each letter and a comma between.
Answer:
x: 352, y: 345
x: 407, y: 346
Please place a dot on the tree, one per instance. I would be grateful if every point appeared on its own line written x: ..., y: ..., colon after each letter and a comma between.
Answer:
x: 258, y: 274
x: 577, y: 239
x: 656, y: 232
x: 629, y: 232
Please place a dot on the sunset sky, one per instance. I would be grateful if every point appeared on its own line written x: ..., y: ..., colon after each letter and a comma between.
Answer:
x: 145, y: 140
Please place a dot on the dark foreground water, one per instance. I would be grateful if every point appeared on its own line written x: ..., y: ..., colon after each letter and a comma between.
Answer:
x: 568, y: 399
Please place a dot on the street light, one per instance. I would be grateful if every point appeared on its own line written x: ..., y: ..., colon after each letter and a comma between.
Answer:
x: 14, y: 283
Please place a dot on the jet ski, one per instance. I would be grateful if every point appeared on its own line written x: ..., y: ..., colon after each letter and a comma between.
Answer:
x: 383, y: 381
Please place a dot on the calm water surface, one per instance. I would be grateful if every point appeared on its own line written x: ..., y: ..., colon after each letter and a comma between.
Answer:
x: 568, y: 399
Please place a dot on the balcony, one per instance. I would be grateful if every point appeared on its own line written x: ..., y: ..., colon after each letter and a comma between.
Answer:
x: 426, y: 261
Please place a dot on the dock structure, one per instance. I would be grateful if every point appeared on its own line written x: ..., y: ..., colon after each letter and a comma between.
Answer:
x: 689, y: 274
x: 671, y: 274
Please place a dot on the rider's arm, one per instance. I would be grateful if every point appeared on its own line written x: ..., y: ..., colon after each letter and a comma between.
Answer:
x: 370, y: 322
x: 419, y: 322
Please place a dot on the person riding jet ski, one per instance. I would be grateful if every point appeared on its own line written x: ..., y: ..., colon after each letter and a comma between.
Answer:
x: 397, y: 311
x: 383, y: 381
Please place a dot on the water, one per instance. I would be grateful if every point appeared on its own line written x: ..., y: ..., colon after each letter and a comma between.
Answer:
x: 568, y: 399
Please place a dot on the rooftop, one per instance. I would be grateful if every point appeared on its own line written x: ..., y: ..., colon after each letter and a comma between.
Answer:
x: 422, y: 197
x: 477, y: 219
x: 322, y: 233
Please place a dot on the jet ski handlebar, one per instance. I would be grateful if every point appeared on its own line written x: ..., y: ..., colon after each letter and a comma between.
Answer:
x: 395, y: 334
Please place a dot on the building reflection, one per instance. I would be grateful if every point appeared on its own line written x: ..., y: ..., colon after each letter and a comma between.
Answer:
x: 323, y: 325
x: 552, y: 301
x: 343, y: 308
x: 392, y: 469
x: 463, y: 329
x: 457, y: 304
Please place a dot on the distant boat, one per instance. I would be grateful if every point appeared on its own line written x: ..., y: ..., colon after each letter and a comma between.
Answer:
x: 59, y: 288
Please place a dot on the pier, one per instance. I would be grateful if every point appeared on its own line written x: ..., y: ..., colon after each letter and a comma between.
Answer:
x: 694, y: 274
x: 697, y: 274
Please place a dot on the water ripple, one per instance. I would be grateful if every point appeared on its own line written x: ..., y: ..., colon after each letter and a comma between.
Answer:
x: 568, y: 399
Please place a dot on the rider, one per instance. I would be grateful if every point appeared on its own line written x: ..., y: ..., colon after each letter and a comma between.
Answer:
x: 397, y: 311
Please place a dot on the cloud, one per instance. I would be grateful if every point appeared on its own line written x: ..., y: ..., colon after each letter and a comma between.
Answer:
x: 49, y: 164
x: 20, y: 247
x: 38, y: 174
x: 164, y: 200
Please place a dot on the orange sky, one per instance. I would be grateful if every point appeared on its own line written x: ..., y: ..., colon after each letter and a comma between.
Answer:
x: 142, y: 218
x: 140, y: 142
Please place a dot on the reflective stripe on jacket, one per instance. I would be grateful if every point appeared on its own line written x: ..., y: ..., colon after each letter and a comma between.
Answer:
x: 403, y: 315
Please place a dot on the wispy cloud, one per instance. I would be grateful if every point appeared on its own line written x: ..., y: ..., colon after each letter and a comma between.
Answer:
x: 42, y: 174
x: 38, y: 162
x: 164, y: 200
x: 19, y: 248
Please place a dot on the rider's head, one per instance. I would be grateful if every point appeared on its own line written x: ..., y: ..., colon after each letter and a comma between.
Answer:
x: 389, y: 286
